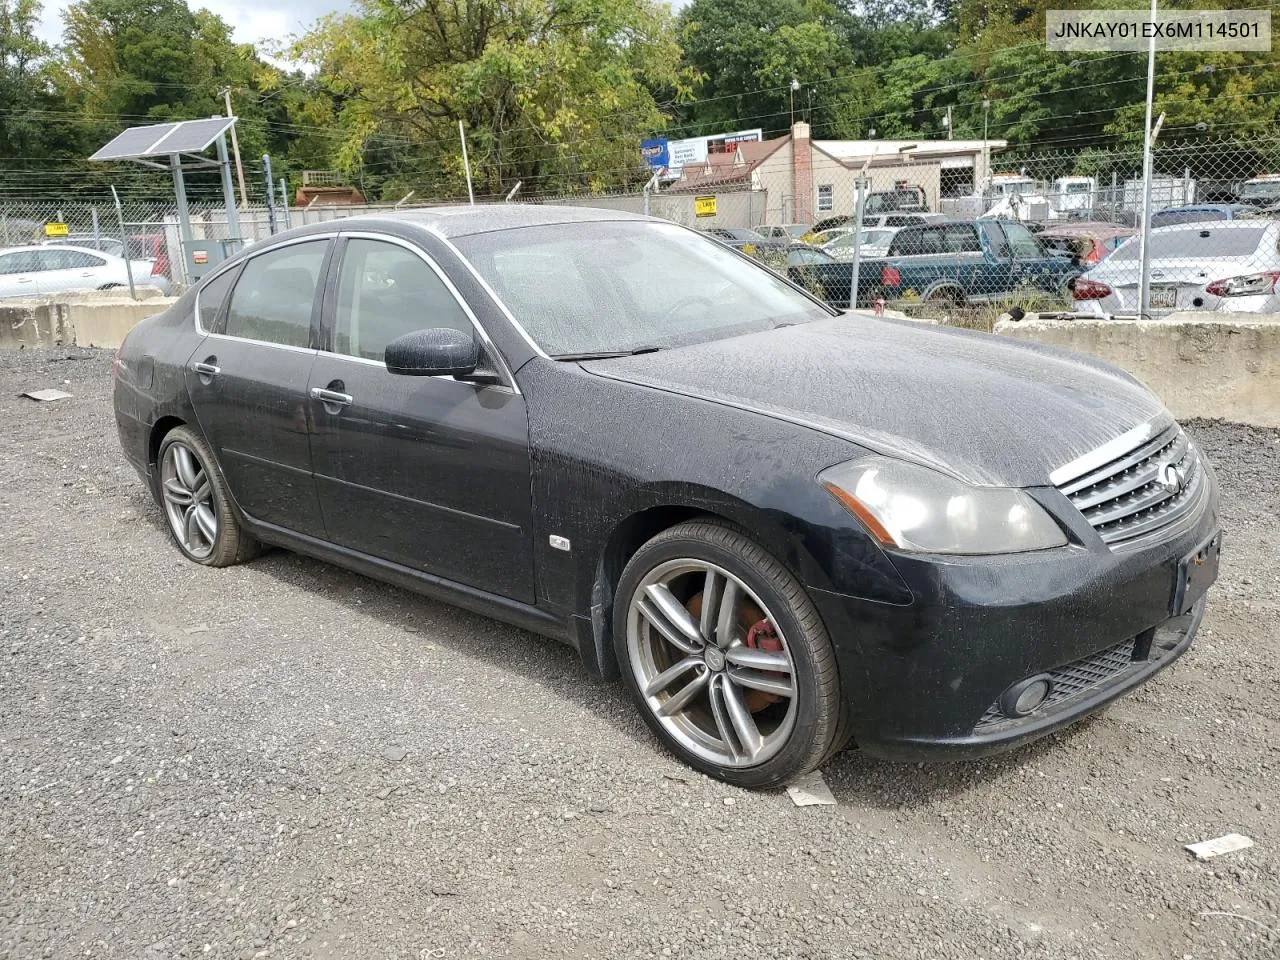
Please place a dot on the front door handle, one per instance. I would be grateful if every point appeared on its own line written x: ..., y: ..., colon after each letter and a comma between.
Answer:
x: 333, y: 400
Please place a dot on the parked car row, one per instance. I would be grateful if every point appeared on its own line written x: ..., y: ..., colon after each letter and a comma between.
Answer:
x: 1204, y: 257
x: 57, y: 268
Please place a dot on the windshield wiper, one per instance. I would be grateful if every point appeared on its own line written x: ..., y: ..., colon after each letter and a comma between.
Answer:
x: 604, y: 354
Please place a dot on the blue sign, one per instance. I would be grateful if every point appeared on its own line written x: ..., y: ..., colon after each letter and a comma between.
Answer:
x: 655, y: 153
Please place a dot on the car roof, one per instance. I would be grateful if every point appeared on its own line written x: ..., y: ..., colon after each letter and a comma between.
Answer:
x: 1098, y: 228
x: 461, y: 221
x: 41, y: 248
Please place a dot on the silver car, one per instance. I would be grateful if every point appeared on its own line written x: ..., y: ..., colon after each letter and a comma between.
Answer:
x: 34, y: 270
x: 874, y: 243
x: 1229, y: 266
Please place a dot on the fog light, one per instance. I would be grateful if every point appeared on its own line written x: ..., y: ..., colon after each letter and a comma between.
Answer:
x: 1026, y: 696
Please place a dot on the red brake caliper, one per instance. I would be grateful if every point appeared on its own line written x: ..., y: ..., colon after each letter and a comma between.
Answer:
x: 763, y: 636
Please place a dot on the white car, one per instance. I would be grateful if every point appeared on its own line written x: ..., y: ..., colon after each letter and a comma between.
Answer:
x: 1230, y: 266
x: 874, y: 243
x: 785, y: 231
x: 34, y: 270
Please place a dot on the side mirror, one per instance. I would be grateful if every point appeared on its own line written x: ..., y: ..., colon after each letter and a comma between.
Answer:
x: 439, y: 351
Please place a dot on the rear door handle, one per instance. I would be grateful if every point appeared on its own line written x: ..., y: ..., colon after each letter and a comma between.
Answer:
x: 331, y: 398
x: 206, y: 369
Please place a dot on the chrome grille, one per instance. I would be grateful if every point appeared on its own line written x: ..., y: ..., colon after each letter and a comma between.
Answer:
x: 1074, y: 678
x: 1124, y: 498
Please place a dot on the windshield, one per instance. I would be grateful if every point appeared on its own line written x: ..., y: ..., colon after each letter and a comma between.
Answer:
x: 625, y: 285
x: 1196, y: 244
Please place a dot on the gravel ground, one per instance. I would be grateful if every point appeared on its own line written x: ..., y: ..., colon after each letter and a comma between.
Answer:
x: 287, y: 760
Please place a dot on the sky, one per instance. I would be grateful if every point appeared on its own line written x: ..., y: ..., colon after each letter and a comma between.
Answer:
x: 251, y: 20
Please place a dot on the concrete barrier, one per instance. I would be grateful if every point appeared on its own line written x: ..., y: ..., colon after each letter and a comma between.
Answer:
x: 91, y: 320
x: 1200, y: 365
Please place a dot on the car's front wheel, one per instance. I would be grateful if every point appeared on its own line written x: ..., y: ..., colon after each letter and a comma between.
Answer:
x: 726, y: 656
x: 196, y: 503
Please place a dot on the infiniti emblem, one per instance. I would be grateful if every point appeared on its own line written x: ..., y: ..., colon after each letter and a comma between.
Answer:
x: 1170, y: 477
x: 714, y: 658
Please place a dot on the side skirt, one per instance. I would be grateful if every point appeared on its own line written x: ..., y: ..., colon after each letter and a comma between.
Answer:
x: 487, y: 604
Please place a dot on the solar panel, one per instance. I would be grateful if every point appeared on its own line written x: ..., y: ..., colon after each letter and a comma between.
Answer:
x: 162, y: 139
x: 133, y: 142
x: 193, y: 136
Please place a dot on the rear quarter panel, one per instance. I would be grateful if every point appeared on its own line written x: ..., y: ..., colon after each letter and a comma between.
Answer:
x: 149, y: 385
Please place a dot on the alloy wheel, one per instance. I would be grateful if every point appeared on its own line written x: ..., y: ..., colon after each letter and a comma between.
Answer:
x: 711, y: 663
x: 188, y: 500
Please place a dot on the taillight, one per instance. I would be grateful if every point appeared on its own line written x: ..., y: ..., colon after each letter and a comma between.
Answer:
x: 156, y: 269
x: 1244, y: 286
x: 1084, y: 289
x: 890, y: 277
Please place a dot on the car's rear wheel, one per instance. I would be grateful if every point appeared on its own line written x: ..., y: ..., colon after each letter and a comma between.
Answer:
x: 726, y: 656
x: 946, y: 297
x: 194, y: 496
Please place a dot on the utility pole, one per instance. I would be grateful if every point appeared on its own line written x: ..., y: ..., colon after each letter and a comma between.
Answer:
x: 271, y: 193
x: 986, y: 148
x: 235, y: 149
x: 1149, y: 142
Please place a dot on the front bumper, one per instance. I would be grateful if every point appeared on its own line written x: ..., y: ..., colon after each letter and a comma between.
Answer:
x: 922, y: 680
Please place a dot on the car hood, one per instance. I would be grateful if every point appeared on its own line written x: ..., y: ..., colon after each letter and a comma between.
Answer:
x: 987, y: 409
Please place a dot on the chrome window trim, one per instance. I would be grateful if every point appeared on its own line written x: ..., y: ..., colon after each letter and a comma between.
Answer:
x: 261, y: 343
x: 205, y: 281
x: 1116, y: 447
x: 503, y: 369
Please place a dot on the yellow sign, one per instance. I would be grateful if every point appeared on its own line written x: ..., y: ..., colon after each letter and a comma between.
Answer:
x: 55, y: 230
x: 704, y: 206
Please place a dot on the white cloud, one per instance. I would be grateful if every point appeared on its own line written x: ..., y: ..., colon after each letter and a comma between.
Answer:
x: 268, y: 21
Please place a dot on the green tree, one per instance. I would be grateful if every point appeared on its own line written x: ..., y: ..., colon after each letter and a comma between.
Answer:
x: 26, y: 98
x: 555, y: 96
x: 129, y: 62
x: 747, y: 53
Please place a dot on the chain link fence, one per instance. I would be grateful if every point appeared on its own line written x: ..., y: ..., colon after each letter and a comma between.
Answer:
x: 972, y: 237
x: 967, y: 236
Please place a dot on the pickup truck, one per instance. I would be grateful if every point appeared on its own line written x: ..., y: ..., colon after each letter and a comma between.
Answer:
x: 962, y: 261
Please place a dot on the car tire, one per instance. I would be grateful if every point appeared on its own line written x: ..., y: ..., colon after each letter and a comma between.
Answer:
x: 754, y: 728
x: 945, y: 296
x: 192, y: 492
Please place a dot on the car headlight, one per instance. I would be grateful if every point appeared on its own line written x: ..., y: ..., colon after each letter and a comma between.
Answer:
x: 910, y: 507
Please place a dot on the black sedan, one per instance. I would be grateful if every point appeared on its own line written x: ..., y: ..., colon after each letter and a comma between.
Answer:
x: 787, y: 529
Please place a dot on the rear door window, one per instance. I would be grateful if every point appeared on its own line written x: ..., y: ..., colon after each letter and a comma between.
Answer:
x: 907, y: 243
x: 52, y: 258
x: 961, y: 238
x: 274, y: 296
